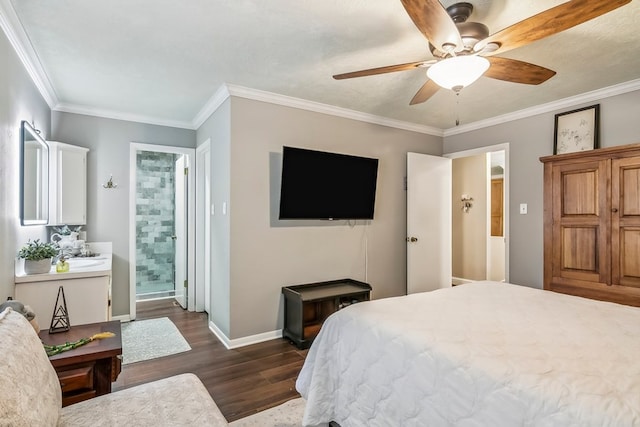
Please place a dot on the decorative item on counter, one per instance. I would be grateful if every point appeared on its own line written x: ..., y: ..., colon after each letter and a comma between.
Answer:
x: 52, y: 350
x: 86, y: 250
x: 65, y: 230
x: 62, y: 266
x: 110, y: 183
x: 67, y: 239
x: 60, y: 319
x: 37, y: 256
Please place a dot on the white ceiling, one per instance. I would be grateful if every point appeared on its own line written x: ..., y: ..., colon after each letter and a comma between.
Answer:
x: 164, y: 59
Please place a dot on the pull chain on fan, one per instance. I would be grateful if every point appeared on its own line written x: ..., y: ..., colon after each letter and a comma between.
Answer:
x: 457, y: 108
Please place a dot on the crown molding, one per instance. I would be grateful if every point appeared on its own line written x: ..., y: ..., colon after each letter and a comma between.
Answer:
x: 221, y: 95
x: 560, y: 104
x: 118, y: 115
x: 227, y: 90
x: 317, y: 107
x: 12, y: 27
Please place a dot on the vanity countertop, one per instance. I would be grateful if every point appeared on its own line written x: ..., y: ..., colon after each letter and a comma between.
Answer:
x: 99, y: 265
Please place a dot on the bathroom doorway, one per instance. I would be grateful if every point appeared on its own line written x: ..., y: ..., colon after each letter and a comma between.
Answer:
x: 161, y: 224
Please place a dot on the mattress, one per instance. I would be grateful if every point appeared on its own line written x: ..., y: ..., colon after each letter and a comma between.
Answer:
x: 480, y: 354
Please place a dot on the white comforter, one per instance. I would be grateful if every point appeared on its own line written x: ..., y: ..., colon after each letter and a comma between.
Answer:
x: 482, y: 354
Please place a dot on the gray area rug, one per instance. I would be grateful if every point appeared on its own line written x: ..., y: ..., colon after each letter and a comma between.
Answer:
x: 289, y: 414
x: 150, y: 339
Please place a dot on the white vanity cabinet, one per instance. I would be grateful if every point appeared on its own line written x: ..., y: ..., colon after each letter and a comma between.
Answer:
x: 88, y: 299
x: 67, y: 184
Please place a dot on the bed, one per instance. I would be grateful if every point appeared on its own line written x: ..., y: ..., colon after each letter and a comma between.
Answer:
x: 480, y: 354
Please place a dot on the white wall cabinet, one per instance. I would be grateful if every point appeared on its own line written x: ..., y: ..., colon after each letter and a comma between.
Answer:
x: 67, y: 184
x: 88, y: 299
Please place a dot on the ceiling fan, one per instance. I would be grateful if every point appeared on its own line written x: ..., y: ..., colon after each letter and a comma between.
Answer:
x: 463, y: 51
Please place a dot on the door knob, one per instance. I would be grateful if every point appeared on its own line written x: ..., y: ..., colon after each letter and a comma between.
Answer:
x: 412, y: 239
x: 614, y: 210
x: 174, y: 237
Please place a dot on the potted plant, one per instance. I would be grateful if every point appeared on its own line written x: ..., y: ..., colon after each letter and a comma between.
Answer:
x: 37, y: 256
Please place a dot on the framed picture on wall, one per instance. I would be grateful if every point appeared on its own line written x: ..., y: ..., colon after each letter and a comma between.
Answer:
x: 577, y: 130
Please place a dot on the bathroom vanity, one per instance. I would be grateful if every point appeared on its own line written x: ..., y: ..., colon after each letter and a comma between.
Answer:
x: 87, y: 289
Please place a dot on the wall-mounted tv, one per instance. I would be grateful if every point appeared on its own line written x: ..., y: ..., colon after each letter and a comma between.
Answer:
x: 321, y: 185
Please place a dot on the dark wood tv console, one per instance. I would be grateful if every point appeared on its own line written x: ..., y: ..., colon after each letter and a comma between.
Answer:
x: 307, y: 306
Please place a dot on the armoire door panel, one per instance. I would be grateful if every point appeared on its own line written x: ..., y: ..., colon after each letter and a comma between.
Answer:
x: 580, y: 192
x: 629, y: 259
x: 630, y: 195
x: 580, y: 249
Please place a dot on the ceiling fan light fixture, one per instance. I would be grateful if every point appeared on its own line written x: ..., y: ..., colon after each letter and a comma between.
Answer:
x: 458, y: 72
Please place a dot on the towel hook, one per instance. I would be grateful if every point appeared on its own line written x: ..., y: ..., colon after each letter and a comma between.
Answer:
x: 110, y: 183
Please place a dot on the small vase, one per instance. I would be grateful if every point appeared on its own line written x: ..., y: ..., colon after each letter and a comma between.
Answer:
x: 37, y: 267
x: 62, y: 266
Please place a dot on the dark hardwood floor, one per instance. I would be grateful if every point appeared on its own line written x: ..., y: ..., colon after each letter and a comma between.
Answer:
x: 241, y: 381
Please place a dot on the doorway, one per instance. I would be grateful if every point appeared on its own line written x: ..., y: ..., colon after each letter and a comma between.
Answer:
x: 161, y: 224
x: 433, y: 203
x: 480, y: 220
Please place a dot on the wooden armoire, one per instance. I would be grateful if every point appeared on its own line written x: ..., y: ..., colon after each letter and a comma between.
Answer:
x: 592, y: 224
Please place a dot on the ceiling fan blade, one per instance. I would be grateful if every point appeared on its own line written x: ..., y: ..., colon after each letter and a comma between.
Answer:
x: 512, y: 70
x: 549, y: 22
x: 425, y: 92
x: 434, y: 22
x: 382, y: 70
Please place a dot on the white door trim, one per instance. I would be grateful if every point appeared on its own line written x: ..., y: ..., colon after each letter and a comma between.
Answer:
x: 489, y: 149
x: 203, y: 226
x: 189, y: 154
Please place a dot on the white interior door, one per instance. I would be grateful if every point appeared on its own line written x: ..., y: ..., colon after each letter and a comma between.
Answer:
x: 180, y: 235
x: 428, y: 222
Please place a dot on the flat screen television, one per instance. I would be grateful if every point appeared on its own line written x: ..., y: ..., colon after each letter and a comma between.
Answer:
x: 321, y: 185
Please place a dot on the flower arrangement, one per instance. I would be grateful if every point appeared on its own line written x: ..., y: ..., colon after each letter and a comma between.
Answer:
x: 37, y: 250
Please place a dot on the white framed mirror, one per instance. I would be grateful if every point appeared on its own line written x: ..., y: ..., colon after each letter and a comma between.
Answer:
x: 34, y: 176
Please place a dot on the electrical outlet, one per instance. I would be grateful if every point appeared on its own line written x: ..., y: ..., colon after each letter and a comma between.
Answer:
x: 523, y: 208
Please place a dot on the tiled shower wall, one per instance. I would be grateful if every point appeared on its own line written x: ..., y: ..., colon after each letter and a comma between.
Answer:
x: 155, y: 206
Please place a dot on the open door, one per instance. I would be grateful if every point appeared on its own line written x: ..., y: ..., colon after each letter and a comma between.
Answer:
x: 428, y: 222
x: 180, y: 235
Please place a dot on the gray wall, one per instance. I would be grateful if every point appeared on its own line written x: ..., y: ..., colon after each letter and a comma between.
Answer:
x: 469, y: 229
x: 108, y: 209
x: 19, y: 100
x: 217, y: 128
x: 530, y: 139
x: 266, y: 253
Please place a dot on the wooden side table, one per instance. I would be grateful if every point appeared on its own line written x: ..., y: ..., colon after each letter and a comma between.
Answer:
x: 89, y: 370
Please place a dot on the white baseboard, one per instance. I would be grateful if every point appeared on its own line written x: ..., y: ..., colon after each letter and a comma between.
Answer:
x: 123, y: 318
x: 244, y: 341
x: 228, y: 343
x: 460, y: 281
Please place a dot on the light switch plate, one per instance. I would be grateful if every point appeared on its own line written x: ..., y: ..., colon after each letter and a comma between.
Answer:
x: 523, y: 208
